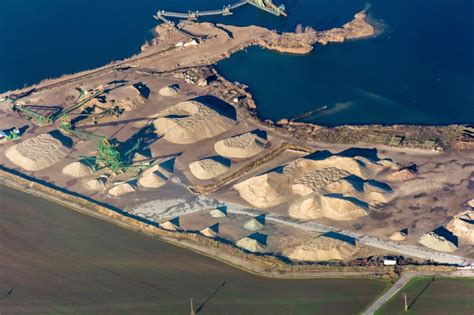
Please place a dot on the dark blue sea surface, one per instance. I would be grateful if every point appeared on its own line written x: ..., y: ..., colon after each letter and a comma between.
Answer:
x: 419, y: 70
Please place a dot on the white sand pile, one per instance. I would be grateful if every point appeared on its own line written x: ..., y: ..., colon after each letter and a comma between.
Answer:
x: 207, y: 168
x: 323, y: 248
x: 250, y: 244
x: 317, y: 180
x: 241, y: 146
x: 128, y: 98
x: 217, y: 213
x: 77, y: 169
x: 96, y: 184
x: 37, y: 153
x: 399, y: 236
x: 168, y: 225
x: 333, y: 207
x: 211, y: 231
x: 253, y: 225
x: 121, y: 189
x: 152, y: 179
x: 437, y: 242
x: 265, y: 190
x: 401, y: 175
x: 470, y: 203
x: 463, y: 226
x: 168, y: 91
x: 200, y: 122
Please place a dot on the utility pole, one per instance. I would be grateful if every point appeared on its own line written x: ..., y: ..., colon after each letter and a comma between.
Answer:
x: 193, y: 312
x: 406, y: 304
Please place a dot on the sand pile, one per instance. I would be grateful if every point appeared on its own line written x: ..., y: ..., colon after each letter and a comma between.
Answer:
x: 128, y: 97
x: 399, y: 235
x: 208, y: 168
x: 211, y: 231
x: 323, y: 248
x: 168, y: 91
x: 218, y: 213
x: 170, y: 226
x: 192, y: 122
x: 317, y: 180
x: 38, y: 152
x: 96, y: 184
x: 265, y: 190
x: 470, y: 203
x: 439, y: 242
x: 77, y: 169
x: 121, y: 189
x: 330, y: 206
x: 152, y: 180
x: 401, y: 175
x: 241, y: 146
x: 251, y: 243
x: 463, y: 226
x: 254, y: 224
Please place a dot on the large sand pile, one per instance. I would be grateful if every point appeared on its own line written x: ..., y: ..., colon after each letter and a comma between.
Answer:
x: 463, y: 226
x: 168, y: 91
x: 333, y: 207
x: 241, y: 146
x: 218, y: 213
x: 323, y: 248
x: 208, y: 168
x: 153, y: 177
x: 437, y: 242
x: 251, y: 244
x: 121, y: 189
x: 193, y: 122
x: 96, y: 184
x: 317, y: 180
x: 170, y: 226
x: 77, y: 169
x: 254, y: 224
x: 128, y: 97
x: 265, y: 190
x: 37, y: 153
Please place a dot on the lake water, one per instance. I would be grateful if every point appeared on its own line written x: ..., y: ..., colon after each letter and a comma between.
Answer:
x: 53, y: 259
x: 419, y: 70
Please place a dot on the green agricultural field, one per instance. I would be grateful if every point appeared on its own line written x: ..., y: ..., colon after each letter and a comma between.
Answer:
x: 428, y: 295
x: 56, y: 260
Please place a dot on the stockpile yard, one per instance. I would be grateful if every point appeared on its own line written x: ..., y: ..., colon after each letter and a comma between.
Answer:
x: 163, y: 139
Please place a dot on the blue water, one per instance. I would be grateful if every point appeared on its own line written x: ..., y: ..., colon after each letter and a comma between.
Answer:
x: 420, y: 70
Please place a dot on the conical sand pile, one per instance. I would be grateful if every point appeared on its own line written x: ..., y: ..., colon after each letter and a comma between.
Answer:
x: 169, y: 91
x: 323, y: 248
x: 152, y: 180
x: 463, y: 226
x: 96, y: 184
x: 77, y: 169
x: 401, y: 175
x: 250, y: 244
x: 168, y: 225
x: 208, y: 168
x: 253, y: 224
x: 437, y: 242
x: 217, y: 213
x: 37, y: 153
x: 241, y: 146
x: 265, y: 190
x: 211, y: 231
x: 121, y: 189
x: 196, y: 122
x: 399, y: 235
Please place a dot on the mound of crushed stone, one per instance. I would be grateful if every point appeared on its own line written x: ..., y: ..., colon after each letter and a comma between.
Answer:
x: 211, y: 231
x: 437, y: 242
x: 192, y: 122
x: 401, y: 175
x: 96, y: 184
x: 250, y: 244
x: 37, y: 153
x: 169, y: 91
x: 265, y: 190
x: 242, y: 146
x: 399, y: 235
x: 217, y: 213
x: 121, y: 189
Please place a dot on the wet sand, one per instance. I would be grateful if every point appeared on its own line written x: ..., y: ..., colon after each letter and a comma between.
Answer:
x: 54, y: 259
